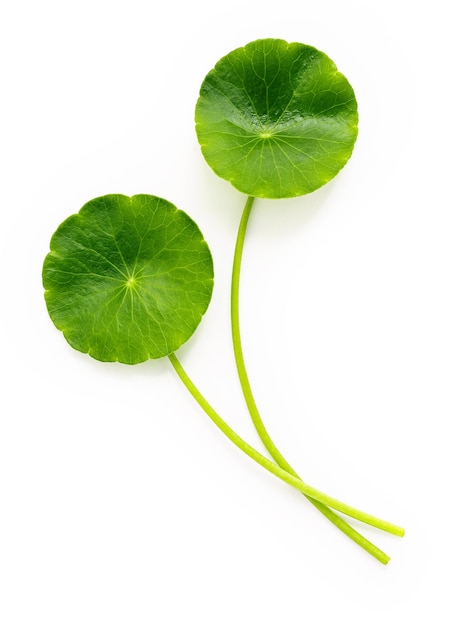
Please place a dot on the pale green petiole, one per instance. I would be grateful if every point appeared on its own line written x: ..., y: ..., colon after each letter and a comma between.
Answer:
x: 272, y: 467
x: 251, y: 403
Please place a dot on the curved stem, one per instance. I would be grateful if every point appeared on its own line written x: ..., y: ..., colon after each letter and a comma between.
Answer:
x: 251, y: 403
x: 272, y: 467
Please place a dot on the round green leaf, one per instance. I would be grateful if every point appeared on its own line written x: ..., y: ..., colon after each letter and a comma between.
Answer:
x: 276, y: 119
x: 128, y: 279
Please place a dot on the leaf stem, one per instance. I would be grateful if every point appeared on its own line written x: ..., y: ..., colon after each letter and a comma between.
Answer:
x: 272, y: 467
x: 251, y: 403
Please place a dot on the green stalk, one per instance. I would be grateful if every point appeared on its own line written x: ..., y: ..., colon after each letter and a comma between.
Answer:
x: 272, y: 467
x: 251, y: 403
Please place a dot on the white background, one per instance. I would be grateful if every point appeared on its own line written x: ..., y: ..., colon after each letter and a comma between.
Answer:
x: 120, y: 502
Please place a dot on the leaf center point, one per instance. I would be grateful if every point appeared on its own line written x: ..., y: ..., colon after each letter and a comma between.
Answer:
x: 131, y: 282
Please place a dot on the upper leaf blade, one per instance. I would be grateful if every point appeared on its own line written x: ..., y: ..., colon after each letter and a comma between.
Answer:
x: 276, y: 119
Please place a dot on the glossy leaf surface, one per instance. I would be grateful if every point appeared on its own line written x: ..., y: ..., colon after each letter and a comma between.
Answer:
x: 276, y: 119
x: 128, y: 278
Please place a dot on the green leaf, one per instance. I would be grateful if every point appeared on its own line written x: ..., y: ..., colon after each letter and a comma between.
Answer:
x: 128, y: 278
x: 276, y: 119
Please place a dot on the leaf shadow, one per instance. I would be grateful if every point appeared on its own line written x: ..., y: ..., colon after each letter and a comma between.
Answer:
x: 279, y: 219
x: 122, y: 371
